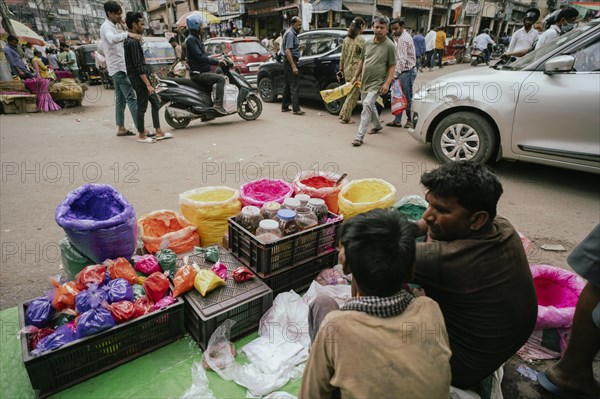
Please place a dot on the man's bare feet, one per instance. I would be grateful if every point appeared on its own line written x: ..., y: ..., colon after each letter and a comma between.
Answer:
x: 574, y: 382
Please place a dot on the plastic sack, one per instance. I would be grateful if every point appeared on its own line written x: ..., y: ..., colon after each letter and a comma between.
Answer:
x: 90, y: 299
x: 164, y: 302
x: 119, y: 290
x: 64, y: 297
x: 156, y: 286
x: 206, y: 281
x: 242, y: 274
x: 208, y: 209
x: 340, y: 293
x: 199, y: 388
x: 399, y: 102
x: 220, y: 270
x: 184, y: 280
x: 319, y: 184
x: 121, y: 268
x: 94, y: 321
x: 121, y: 311
x: 179, y: 69
x: 260, y: 383
x: 412, y: 206
x: 39, y: 312
x: 331, y: 276
x: 146, y: 264
x: 99, y: 222
x: 142, y: 306
x: 35, y: 335
x: 230, y: 98
x: 167, y: 260
x: 362, y: 195
x: 167, y: 230
x: 211, y: 254
x: 63, y: 335
x: 138, y: 291
x: 73, y: 261
x: 95, y: 274
x: 557, y: 292
x: 259, y: 192
x: 341, y: 91
x: 219, y: 355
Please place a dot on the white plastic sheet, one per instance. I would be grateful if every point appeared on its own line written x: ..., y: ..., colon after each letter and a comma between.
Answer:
x: 340, y: 293
x: 199, y: 388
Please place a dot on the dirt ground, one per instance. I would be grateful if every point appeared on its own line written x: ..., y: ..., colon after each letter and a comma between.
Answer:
x: 44, y: 156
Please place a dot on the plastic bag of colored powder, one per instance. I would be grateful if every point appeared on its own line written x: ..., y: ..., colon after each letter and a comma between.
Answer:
x: 167, y: 229
x: 121, y: 268
x: 65, y: 295
x: 95, y: 274
x: 90, y: 299
x: 261, y: 191
x: 156, y: 286
x: 146, y: 264
x: 164, y: 302
x: 94, y: 321
x: 220, y: 270
x: 206, y: 281
x: 121, y: 311
x: 119, y: 290
x: 184, y: 280
x: 167, y: 260
x: 39, y: 312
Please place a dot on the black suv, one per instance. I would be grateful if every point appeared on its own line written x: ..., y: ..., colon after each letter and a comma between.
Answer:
x: 318, y: 64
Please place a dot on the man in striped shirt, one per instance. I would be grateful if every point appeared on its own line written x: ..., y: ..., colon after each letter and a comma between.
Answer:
x: 138, y: 72
x: 406, y: 69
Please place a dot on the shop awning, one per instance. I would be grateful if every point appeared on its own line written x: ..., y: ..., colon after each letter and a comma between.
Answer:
x: 228, y: 17
x: 270, y: 10
x: 326, y: 6
x: 361, y: 9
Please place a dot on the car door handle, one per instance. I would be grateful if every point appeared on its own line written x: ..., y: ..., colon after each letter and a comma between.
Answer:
x: 325, y: 62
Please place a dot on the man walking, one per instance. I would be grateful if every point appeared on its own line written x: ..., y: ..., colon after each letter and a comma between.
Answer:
x: 376, y: 72
x: 482, y: 43
x: 430, y: 48
x: 440, y: 44
x: 406, y: 70
x: 138, y: 73
x: 523, y: 39
x: 290, y: 49
x: 420, y: 48
x: 112, y: 47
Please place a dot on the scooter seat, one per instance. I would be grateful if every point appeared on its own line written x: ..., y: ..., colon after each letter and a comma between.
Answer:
x: 190, y: 83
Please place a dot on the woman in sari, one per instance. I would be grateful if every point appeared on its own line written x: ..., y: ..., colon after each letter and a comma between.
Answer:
x: 352, y: 50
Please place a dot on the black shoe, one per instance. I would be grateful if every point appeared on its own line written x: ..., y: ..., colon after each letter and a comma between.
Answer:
x: 220, y: 109
x: 285, y: 110
x: 299, y: 112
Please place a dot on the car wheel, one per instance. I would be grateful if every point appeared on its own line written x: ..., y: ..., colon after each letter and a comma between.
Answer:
x: 464, y: 136
x: 176, y: 123
x: 335, y: 106
x: 266, y: 90
x: 250, y: 108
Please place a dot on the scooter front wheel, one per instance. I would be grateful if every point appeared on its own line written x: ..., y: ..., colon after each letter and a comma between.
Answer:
x: 176, y: 123
x: 250, y: 108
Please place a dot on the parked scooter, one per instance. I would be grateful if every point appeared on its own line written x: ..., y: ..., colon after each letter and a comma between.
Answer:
x: 187, y: 100
x: 477, y: 56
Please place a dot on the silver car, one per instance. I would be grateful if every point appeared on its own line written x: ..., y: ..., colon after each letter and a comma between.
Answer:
x: 542, y: 108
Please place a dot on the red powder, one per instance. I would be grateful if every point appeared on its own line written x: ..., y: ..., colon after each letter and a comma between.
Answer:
x: 318, y: 182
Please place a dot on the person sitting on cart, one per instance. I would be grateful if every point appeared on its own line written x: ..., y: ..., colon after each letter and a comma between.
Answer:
x: 37, y: 61
x: 14, y: 59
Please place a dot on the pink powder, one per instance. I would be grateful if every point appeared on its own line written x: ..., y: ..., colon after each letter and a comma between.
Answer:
x: 265, y: 190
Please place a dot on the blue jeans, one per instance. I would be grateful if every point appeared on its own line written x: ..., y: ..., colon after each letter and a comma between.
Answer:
x: 124, y: 94
x: 407, y: 82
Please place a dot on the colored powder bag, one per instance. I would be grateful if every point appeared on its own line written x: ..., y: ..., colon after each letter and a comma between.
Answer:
x: 121, y: 268
x: 73, y: 261
x: 122, y: 311
x: 206, y: 281
x: 142, y: 306
x: 90, y: 299
x: 220, y: 270
x: 99, y: 222
x: 319, y: 184
x: 63, y: 335
x: 184, y: 280
x: 146, y: 264
x: 119, y: 290
x: 39, y: 312
x: 167, y: 260
x: 138, y: 291
x: 65, y: 295
x: 156, y: 286
x: 167, y: 229
x: 35, y: 335
x: 242, y: 274
x: 362, y: 195
x: 164, y: 302
x: 95, y: 274
x: 259, y: 192
x: 94, y: 321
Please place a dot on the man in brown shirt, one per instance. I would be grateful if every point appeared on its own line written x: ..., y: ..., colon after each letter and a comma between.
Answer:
x: 383, y: 343
x: 474, y: 266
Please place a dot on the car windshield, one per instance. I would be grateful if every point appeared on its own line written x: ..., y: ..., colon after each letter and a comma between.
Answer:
x: 158, y: 52
x: 243, y: 48
x: 540, y: 53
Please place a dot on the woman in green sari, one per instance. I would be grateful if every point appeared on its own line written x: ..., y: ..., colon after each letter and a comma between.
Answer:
x: 352, y: 50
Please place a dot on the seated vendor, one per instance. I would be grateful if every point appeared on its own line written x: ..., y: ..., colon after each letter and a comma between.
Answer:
x: 384, y: 342
x: 474, y: 266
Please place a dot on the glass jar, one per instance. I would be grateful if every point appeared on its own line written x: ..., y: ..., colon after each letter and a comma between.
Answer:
x: 287, y: 222
x: 269, y: 210
x: 306, y: 218
x: 303, y: 198
x: 249, y: 218
x: 317, y: 205
x: 268, y: 231
x: 290, y: 203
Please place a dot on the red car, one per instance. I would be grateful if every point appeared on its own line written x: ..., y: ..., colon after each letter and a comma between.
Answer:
x: 247, y: 53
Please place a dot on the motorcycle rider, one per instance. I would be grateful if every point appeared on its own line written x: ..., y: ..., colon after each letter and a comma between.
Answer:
x: 199, y: 63
x: 523, y: 39
x: 482, y: 42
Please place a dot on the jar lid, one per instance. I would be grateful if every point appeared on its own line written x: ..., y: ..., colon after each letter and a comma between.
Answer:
x: 251, y: 211
x: 293, y: 202
x: 268, y: 224
x: 316, y: 201
x: 286, y: 214
x: 272, y: 206
x: 302, y: 197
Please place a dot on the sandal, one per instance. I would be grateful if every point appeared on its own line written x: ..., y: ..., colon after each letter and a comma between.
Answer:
x: 344, y: 122
x: 165, y: 136
x: 146, y: 140
x: 357, y: 143
x: 125, y: 133
x: 393, y: 124
x: 374, y: 131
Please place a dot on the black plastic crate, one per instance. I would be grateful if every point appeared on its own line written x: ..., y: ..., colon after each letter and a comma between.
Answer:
x: 245, y: 303
x: 299, y: 278
x: 286, y: 252
x: 84, y: 358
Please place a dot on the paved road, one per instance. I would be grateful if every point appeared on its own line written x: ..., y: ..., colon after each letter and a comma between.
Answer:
x: 44, y: 156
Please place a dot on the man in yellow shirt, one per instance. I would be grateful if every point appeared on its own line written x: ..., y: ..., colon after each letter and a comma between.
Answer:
x: 440, y: 44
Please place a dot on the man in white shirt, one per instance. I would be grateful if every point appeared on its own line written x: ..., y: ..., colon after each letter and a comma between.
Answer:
x: 430, y: 47
x: 564, y: 24
x: 482, y: 41
x: 522, y: 40
x: 307, y: 10
x: 112, y: 46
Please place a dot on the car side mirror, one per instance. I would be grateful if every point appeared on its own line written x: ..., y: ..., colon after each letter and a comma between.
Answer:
x: 559, y: 64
